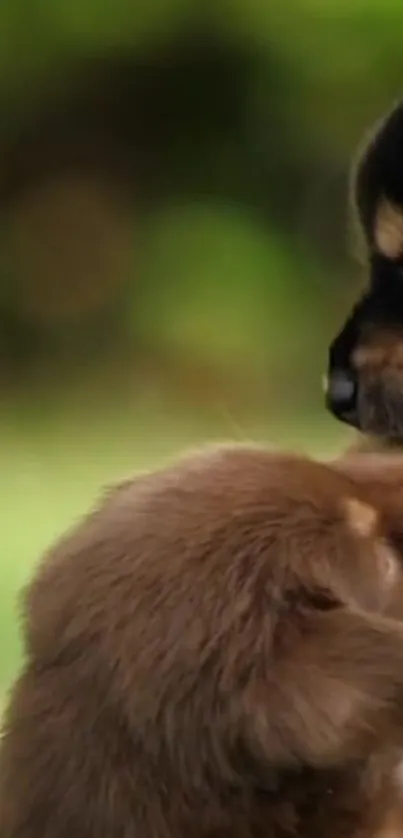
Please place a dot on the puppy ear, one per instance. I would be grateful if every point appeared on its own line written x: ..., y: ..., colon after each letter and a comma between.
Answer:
x: 333, y: 695
x: 377, y: 187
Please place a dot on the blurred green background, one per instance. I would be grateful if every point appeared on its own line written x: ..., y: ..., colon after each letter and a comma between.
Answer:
x: 174, y: 247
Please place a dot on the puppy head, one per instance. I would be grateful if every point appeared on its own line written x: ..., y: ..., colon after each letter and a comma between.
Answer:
x: 296, y: 576
x: 365, y: 375
x: 241, y: 616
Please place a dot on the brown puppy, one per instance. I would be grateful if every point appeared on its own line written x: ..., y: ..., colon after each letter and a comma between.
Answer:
x: 214, y: 653
x: 382, y: 476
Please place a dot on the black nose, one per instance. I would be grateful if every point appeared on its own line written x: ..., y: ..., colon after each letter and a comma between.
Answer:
x: 341, y: 395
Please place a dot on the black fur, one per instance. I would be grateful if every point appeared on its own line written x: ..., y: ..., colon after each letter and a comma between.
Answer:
x: 374, y: 401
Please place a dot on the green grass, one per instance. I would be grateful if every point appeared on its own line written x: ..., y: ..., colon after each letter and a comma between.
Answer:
x: 55, y: 459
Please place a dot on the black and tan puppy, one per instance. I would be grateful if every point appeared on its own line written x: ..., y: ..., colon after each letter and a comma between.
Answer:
x: 365, y: 380
x: 215, y: 652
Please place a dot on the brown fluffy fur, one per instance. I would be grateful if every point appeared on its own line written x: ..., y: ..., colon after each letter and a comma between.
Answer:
x: 215, y: 652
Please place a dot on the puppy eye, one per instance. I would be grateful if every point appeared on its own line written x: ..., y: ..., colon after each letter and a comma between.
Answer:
x: 394, y: 543
x: 388, y: 562
x: 322, y: 600
x: 318, y: 599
